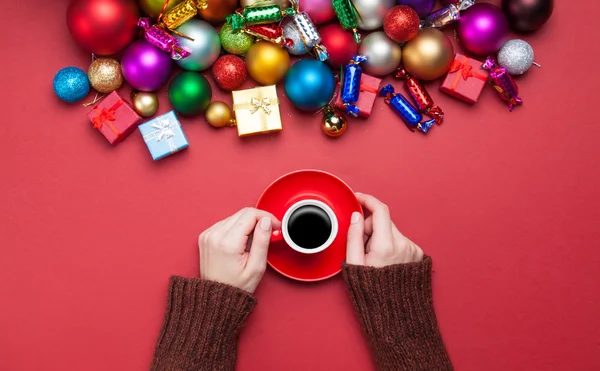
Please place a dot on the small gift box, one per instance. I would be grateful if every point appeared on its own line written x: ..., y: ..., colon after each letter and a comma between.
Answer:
x: 164, y: 136
x: 257, y: 111
x: 114, y: 118
x: 369, y: 88
x: 466, y: 79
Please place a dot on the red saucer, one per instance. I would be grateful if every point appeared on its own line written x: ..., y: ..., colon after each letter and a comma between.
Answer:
x: 317, y: 185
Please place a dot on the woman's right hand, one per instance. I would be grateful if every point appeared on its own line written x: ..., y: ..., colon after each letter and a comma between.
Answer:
x: 375, y: 241
x: 224, y: 254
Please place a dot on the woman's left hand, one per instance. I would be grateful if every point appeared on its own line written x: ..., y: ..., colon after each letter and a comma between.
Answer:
x: 223, y: 255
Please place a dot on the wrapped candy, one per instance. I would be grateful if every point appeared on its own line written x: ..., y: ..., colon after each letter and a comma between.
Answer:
x: 351, y: 79
x: 269, y: 32
x: 348, y: 16
x: 255, y: 15
x: 409, y: 114
x: 503, y: 82
x: 310, y: 36
x: 369, y: 90
x: 160, y: 38
x: 182, y: 13
x: 448, y: 15
x: 421, y: 97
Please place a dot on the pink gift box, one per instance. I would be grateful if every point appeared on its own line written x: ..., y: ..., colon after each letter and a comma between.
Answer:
x: 466, y: 79
x: 114, y: 118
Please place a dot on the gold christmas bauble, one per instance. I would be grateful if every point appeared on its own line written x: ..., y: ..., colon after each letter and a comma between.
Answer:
x: 105, y: 75
x: 267, y: 63
x: 218, y: 114
x: 334, y: 123
x: 145, y: 104
x: 153, y: 7
x: 429, y: 55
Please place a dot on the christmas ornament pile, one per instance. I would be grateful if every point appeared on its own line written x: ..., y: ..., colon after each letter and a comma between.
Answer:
x: 346, y: 46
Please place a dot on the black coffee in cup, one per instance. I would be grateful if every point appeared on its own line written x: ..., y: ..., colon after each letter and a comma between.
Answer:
x: 309, y: 227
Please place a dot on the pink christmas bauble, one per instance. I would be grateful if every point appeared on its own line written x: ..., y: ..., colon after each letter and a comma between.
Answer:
x: 320, y: 11
x: 483, y: 29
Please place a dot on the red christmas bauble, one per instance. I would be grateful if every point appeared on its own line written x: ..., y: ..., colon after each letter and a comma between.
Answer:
x: 230, y: 72
x: 401, y: 23
x: 339, y: 43
x: 103, y: 27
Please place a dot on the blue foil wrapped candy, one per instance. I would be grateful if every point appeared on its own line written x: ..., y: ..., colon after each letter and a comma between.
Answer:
x: 407, y: 112
x: 351, y: 84
x: 164, y: 136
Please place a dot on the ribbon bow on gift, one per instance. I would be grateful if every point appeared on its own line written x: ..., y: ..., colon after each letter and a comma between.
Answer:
x: 257, y: 110
x: 257, y: 104
x: 107, y: 116
x: 164, y: 130
x: 465, y: 71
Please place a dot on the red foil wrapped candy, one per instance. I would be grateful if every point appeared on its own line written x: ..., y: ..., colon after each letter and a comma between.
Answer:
x: 420, y: 96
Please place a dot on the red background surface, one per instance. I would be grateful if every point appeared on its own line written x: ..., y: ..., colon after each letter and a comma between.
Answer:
x: 507, y: 205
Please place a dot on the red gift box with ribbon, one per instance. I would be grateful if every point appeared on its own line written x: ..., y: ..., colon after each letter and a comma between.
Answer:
x: 369, y: 88
x: 466, y: 79
x: 114, y: 118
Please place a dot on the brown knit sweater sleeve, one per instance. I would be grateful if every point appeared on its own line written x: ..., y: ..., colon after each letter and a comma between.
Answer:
x: 201, y: 326
x: 395, y: 307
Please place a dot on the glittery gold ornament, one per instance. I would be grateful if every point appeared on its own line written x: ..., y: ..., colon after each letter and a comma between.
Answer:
x: 105, y: 75
x: 429, y: 55
x: 267, y: 63
x: 334, y: 123
x: 145, y: 103
x: 218, y: 115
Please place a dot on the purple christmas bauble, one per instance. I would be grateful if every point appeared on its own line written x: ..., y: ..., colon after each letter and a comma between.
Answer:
x: 423, y: 7
x: 145, y: 67
x: 483, y: 29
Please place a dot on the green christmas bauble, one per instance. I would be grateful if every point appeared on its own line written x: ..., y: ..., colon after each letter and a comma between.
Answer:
x: 237, y: 43
x: 190, y: 93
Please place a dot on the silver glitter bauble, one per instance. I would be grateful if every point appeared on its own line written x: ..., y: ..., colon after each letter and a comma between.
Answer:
x: 516, y: 56
x: 383, y: 55
x: 290, y: 31
x: 372, y: 12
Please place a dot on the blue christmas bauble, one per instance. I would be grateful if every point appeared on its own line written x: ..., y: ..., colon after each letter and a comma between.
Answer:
x: 310, y: 84
x: 71, y: 84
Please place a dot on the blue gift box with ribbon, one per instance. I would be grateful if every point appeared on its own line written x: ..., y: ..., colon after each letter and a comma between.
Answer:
x: 164, y: 136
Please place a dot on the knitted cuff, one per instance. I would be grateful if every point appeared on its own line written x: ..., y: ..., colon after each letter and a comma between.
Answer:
x: 395, y: 307
x: 201, y: 326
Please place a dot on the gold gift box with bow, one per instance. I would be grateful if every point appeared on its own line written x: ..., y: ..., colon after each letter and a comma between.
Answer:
x: 257, y: 111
